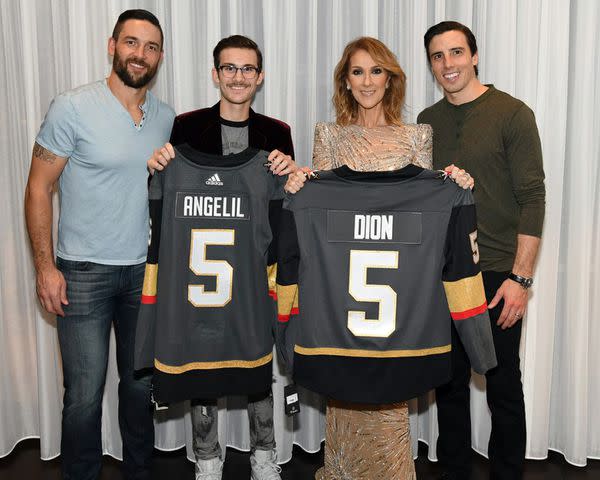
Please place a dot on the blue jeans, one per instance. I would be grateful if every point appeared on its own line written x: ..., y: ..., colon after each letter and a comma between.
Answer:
x: 205, y: 423
x: 100, y: 296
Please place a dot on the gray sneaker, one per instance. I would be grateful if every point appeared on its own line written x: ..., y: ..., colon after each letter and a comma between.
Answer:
x: 211, y: 469
x: 264, y: 466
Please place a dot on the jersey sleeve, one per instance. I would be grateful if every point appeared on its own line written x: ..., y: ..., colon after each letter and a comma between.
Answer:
x: 463, y: 284
x: 288, y: 261
x: 286, y: 145
x: 146, y: 325
x: 275, y: 205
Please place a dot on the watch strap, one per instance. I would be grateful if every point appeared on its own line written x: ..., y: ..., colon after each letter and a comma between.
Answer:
x: 525, y: 282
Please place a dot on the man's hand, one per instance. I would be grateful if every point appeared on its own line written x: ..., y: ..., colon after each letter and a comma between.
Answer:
x: 281, y: 164
x: 460, y: 177
x: 161, y: 158
x: 52, y: 290
x: 296, y: 180
x: 515, y: 302
x: 514, y: 295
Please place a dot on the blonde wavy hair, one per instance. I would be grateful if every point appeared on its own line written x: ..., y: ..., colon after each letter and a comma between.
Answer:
x: 346, y: 107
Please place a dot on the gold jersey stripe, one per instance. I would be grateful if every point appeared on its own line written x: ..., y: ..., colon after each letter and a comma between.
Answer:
x: 465, y: 294
x: 287, y: 298
x: 176, y: 369
x: 272, y: 277
x: 351, y: 352
x: 150, y: 280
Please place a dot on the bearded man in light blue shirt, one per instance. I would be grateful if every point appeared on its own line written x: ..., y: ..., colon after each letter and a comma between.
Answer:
x: 94, y: 141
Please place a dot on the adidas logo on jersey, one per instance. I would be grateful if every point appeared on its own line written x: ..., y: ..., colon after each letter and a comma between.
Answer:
x: 214, y: 180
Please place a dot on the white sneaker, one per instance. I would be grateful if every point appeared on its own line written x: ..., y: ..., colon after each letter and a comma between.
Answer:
x: 264, y: 466
x: 211, y: 469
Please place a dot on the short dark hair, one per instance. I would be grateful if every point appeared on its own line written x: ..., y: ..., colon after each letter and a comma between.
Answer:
x: 448, y: 26
x: 137, y: 14
x: 237, y: 41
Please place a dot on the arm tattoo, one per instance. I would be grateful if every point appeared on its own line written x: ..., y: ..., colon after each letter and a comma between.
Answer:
x: 43, y: 154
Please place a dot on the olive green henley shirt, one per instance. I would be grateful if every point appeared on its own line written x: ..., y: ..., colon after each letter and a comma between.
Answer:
x: 495, y: 139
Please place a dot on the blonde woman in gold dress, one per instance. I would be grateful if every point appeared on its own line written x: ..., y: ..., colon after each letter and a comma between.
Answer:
x: 369, y: 442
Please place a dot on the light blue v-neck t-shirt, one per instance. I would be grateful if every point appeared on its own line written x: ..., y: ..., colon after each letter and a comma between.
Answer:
x: 103, y: 187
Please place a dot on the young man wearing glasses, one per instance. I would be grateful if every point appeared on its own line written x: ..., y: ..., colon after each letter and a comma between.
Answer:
x: 230, y: 127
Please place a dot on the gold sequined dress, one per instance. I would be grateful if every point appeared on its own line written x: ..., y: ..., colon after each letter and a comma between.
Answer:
x: 369, y: 442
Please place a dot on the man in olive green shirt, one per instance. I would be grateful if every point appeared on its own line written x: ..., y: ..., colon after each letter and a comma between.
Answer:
x: 493, y: 136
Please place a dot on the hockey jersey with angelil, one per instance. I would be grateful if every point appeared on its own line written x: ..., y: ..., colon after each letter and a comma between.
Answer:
x: 371, y: 269
x: 206, y: 319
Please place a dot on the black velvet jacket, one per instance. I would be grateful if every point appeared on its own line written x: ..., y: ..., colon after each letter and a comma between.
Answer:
x: 201, y: 129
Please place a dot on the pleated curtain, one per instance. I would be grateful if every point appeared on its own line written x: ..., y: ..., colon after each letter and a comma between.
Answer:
x: 544, y: 52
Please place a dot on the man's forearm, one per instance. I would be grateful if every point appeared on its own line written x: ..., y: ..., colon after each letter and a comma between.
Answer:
x: 525, y: 258
x: 46, y: 168
x: 38, y: 214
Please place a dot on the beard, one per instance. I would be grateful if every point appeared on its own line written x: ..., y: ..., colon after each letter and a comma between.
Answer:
x: 129, y: 79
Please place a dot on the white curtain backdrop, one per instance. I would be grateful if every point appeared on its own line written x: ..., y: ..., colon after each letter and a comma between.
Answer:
x: 545, y: 52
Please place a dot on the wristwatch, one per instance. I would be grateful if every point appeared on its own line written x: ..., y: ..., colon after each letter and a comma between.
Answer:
x: 523, y: 281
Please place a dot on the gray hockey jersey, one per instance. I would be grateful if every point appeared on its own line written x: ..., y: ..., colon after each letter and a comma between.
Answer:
x: 206, y: 319
x: 371, y: 269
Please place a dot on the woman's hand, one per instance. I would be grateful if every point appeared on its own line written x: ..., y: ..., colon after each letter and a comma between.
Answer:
x: 460, y: 177
x: 296, y: 180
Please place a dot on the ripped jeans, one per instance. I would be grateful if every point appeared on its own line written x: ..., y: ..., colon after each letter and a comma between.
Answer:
x: 205, y: 426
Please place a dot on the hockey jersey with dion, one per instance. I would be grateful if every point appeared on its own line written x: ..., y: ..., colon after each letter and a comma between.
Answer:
x: 378, y: 264
x: 206, y: 318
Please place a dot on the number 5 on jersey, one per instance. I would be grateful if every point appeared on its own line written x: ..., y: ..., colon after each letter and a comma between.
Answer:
x: 361, y: 291
x: 220, y: 269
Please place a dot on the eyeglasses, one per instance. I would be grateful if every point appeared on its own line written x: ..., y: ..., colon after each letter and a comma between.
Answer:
x: 248, y: 71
